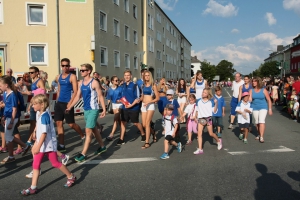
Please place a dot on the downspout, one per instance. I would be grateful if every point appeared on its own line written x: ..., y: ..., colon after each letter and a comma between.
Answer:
x: 58, y: 35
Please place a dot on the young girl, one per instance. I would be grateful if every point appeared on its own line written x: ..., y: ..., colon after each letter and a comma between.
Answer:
x: 244, y: 110
x: 10, y: 118
x: 45, y: 144
x: 182, y: 94
x: 191, y: 122
x: 204, y: 109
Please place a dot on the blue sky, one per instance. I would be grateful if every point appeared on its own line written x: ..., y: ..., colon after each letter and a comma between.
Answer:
x: 243, y: 32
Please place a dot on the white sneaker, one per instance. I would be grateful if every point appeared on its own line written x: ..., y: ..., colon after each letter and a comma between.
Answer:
x: 31, y: 174
x: 198, y: 151
x: 220, y: 144
x: 65, y: 160
x: 230, y: 126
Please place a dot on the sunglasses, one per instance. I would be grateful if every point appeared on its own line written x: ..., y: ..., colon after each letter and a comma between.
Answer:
x: 31, y: 72
x: 65, y: 65
x: 116, y: 80
x: 83, y: 70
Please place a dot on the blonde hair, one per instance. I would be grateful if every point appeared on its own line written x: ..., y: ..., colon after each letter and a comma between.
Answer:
x: 41, y: 99
x: 151, y: 77
x: 209, y: 93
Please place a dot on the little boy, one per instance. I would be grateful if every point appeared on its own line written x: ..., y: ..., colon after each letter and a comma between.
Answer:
x: 295, y: 109
x: 171, y: 127
x: 218, y: 117
x: 243, y: 110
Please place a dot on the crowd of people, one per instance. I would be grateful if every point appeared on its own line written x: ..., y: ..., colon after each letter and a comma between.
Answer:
x: 178, y: 103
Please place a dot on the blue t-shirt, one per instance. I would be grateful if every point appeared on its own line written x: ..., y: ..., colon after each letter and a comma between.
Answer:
x: 140, y: 82
x: 114, y: 94
x: 131, y: 92
x: 221, y: 105
x: 10, y: 100
x: 175, y: 104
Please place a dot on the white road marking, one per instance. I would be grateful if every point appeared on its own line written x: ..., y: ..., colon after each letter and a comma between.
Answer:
x: 237, y: 153
x: 114, y: 161
x: 227, y: 92
x: 282, y: 149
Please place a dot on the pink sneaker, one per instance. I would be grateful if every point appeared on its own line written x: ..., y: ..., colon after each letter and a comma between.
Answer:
x: 28, y: 191
x: 70, y: 181
x: 18, y: 151
x: 3, y: 149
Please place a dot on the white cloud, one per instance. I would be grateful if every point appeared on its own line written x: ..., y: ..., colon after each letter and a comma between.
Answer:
x: 167, y: 4
x: 219, y: 10
x: 247, y: 54
x: 270, y: 18
x: 235, y: 30
x: 292, y: 5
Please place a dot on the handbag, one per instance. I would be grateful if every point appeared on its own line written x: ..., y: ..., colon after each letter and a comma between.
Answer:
x: 109, y: 108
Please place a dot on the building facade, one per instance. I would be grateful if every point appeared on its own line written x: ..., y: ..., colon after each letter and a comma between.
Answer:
x: 295, y: 55
x: 41, y: 32
x: 131, y: 33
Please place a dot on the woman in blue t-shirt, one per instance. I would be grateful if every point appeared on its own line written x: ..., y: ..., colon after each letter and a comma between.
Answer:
x: 114, y: 95
x: 261, y: 103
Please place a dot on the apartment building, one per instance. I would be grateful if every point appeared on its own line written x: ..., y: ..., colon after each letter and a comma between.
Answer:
x: 129, y: 33
x: 41, y: 32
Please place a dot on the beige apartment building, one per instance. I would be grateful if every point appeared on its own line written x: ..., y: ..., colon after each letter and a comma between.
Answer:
x: 129, y: 33
x: 41, y: 32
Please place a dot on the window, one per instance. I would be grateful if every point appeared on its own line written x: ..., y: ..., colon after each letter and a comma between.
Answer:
x: 163, y: 48
x: 126, y: 33
x: 116, y: 2
x: 150, y: 21
x: 135, y: 37
x: 116, y: 28
x: 38, y: 54
x: 150, y: 44
x: 103, y: 55
x: 135, y: 63
x: 158, y: 36
x: 134, y: 11
x: 164, y: 32
x: 36, y: 14
x: 126, y: 5
x: 158, y: 55
x: 1, y: 11
x: 103, y: 19
x: 158, y: 17
x: 127, y: 61
x: 117, y: 58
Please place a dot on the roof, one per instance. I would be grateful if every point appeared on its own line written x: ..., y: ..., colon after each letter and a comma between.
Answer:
x: 194, y: 59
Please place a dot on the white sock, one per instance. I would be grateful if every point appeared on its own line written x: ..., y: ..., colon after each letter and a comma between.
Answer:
x: 33, y: 187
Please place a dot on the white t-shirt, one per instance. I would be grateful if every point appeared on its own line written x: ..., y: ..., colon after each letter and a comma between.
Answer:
x: 190, y: 110
x: 241, y: 107
x: 169, y: 129
x: 296, y: 105
x: 44, y: 124
x: 236, y: 88
x: 205, y: 108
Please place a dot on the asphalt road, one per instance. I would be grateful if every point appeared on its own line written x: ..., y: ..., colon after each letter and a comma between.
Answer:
x: 238, y: 171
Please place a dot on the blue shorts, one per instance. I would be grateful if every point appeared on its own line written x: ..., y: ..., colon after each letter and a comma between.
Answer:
x: 233, y: 104
x: 160, y: 103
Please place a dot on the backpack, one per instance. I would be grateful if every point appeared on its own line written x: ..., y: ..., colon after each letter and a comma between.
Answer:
x: 177, y: 136
x: 21, y: 104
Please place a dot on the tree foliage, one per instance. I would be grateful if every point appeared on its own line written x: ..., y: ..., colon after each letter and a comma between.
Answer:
x: 269, y: 69
x: 208, y: 71
x: 225, y: 70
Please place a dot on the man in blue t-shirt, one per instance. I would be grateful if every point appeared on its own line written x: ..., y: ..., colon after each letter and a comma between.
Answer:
x: 131, y: 93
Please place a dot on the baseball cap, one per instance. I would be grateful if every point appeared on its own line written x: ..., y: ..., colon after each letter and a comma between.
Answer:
x: 245, y: 94
x: 170, y: 107
x: 169, y: 91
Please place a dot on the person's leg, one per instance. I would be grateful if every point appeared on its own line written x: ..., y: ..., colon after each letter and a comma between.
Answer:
x: 166, y: 146
x: 200, y: 129
x: 17, y: 136
x: 36, y: 165
x: 77, y: 128
x: 3, y: 143
x: 116, y: 122
x: 70, y: 119
x: 246, y: 134
x: 211, y: 133
x: 262, y: 117
x: 149, y: 116
x: 88, y: 139
x: 124, y: 120
x: 32, y: 124
x: 123, y: 128
x: 60, y: 133
x: 189, y: 130
x: 134, y: 117
x: 255, y: 114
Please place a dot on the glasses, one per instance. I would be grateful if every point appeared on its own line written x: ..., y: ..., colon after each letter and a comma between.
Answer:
x: 83, y: 70
x: 116, y: 80
x: 31, y: 72
x: 65, y: 65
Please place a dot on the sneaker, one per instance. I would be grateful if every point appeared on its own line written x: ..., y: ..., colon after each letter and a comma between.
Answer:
x: 3, y: 149
x: 179, y: 147
x: 219, y: 135
x: 61, y: 149
x: 100, y: 150
x: 220, y: 144
x: 257, y: 137
x: 110, y: 138
x: 241, y: 136
x: 120, y: 142
x: 28, y: 191
x: 31, y: 174
x: 230, y: 126
x: 18, y: 151
x: 164, y: 156
x: 29, y: 143
x: 25, y: 150
x: 143, y: 138
x: 7, y: 160
x: 188, y: 142
x: 80, y: 158
x: 245, y: 141
x: 70, y: 181
x: 198, y: 151
x: 65, y: 160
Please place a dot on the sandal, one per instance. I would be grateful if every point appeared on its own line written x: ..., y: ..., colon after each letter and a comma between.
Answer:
x: 257, y: 137
x: 145, y: 146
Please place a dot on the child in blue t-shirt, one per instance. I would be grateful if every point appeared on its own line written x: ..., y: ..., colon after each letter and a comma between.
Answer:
x: 218, y: 117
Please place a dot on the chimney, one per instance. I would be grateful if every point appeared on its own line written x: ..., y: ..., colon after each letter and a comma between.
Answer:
x: 279, y: 48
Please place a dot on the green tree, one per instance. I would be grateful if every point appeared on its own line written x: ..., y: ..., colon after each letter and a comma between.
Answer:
x: 225, y: 70
x: 269, y: 69
x: 208, y: 71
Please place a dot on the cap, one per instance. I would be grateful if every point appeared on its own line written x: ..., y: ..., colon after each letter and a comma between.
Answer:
x: 170, y: 107
x: 169, y: 91
x: 245, y: 94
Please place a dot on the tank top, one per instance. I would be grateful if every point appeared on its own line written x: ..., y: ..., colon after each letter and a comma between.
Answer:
x: 199, y: 87
x: 34, y: 85
x: 259, y: 101
x: 90, y: 97
x: 147, y: 90
x: 192, y: 91
x: 244, y: 89
x: 66, y: 89
x: 182, y: 90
